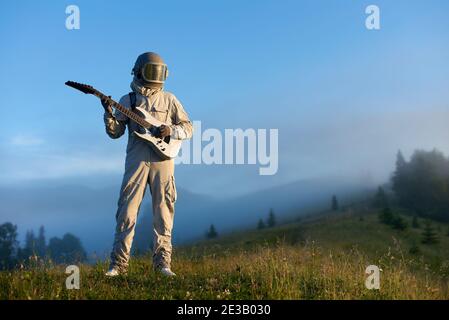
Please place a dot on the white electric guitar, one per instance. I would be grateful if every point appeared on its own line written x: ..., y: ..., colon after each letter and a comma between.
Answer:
x: 166, y: 148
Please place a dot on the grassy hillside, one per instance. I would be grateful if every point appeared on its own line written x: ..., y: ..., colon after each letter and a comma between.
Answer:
x: 321, y: 258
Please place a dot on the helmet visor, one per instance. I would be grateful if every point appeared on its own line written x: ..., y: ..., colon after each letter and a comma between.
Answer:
x: 154, y: 72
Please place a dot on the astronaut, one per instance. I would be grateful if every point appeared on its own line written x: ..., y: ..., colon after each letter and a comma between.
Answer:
x: 143, y: 166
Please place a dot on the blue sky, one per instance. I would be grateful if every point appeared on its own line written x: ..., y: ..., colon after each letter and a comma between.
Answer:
x: 344, y: 98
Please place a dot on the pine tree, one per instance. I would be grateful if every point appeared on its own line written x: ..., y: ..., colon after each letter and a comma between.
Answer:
x: 380, y: 199
x: 414, y: 249
x: 400, y: 161
x: 212, y: 233
x: 8, y: 245
x: 334, y: 203
x: 261, y: 225
x: 386, y: 216
x: 429, y: 236
x: 398, y: 223
x: 271, y: 222
x: 30, y: 242
x: 399, y: 179
x: 415, y: 222
x: 40, y: 242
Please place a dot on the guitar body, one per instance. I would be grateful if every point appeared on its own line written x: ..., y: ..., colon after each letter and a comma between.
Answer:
x: 166, y: 148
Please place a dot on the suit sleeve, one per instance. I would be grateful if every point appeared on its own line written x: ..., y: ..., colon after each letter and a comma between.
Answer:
x: 182, y: 127
x: 116, y: 123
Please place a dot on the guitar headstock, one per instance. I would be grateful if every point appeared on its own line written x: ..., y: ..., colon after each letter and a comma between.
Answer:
x: 81, y: 87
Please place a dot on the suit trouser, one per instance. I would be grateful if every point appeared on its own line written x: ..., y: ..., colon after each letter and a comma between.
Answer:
x: 160, y: 177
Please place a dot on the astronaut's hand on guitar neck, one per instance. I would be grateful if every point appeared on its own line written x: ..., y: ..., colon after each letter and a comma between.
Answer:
x: 106, y: 105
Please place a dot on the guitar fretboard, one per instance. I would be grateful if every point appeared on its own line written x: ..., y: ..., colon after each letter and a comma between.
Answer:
x: 127, y: 112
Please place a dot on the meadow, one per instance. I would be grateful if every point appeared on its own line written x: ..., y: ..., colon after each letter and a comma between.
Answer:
x: 323, y: 257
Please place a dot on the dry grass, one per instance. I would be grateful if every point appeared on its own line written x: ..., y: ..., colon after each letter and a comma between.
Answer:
x: 279, y: 272
x: 319, y: 260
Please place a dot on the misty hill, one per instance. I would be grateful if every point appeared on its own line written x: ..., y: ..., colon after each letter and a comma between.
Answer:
x: 90, y: 213
x: 193, y: 216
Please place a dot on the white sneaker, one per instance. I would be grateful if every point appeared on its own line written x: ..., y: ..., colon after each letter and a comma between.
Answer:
x: 167, y: 272
x: 113, y: 272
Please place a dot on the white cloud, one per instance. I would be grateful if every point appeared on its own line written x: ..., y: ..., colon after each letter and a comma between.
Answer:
x: 26, y: 141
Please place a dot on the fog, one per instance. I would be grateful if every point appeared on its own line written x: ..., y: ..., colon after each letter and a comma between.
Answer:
x: 345, y: 155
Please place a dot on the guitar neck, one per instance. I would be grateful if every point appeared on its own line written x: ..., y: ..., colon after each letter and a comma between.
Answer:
x: 130, y: 114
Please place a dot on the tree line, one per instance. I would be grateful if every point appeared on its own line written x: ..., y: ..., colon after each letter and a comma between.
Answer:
x: 421, y: 187
x: 67, y: 249
x: 421, y: 184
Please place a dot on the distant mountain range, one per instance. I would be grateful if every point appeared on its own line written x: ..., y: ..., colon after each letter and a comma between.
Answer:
x: 90, y: 213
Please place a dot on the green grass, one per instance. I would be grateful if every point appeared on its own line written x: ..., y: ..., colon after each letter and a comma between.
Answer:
x: 314, y: 259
